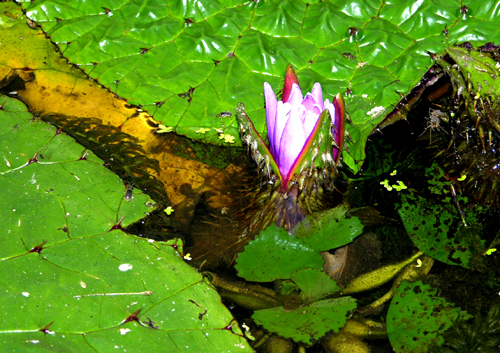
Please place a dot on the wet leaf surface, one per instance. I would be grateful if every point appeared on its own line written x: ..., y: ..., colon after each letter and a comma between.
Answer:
x: 192, y: 173
x: 185, y: 63
x: 73, y: 280
x: 188, y: 64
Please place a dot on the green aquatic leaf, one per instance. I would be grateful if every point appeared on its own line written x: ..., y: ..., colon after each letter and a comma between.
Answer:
x: 72, y: 279
x: 417, y: 318
x: 186, y: 62
x: 428, y: 225
x: 314, y: 284
x: 274, y: 254
x: 309, y: 322
x: 436, y: 226
x: 329, y: 229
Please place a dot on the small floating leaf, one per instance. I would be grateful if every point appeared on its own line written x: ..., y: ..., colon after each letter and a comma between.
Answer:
x: 309, y: 322
x: 417, y: 318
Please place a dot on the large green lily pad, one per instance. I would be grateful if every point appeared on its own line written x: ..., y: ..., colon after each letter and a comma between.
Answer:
x: 72, y: 279
x: 188, y: 61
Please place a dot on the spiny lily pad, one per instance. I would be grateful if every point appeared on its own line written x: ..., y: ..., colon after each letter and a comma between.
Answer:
x: 189, y: 61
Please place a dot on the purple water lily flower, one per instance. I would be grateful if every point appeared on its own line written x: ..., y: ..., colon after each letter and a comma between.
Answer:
x: 291, y: 121
x: 299, y: 166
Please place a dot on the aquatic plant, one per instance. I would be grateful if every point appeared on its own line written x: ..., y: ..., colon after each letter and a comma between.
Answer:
x: 306, y: 136
x: 461, y: 92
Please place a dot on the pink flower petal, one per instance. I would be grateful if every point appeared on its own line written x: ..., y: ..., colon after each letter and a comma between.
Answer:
x: 291, y: 143
x: 311, y: 119
x: 317, y: 95
x: 283, y: 114
x: 306, y: 149
x: 309, y: 102
x: 296, y: 96
x: 271, y: 114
